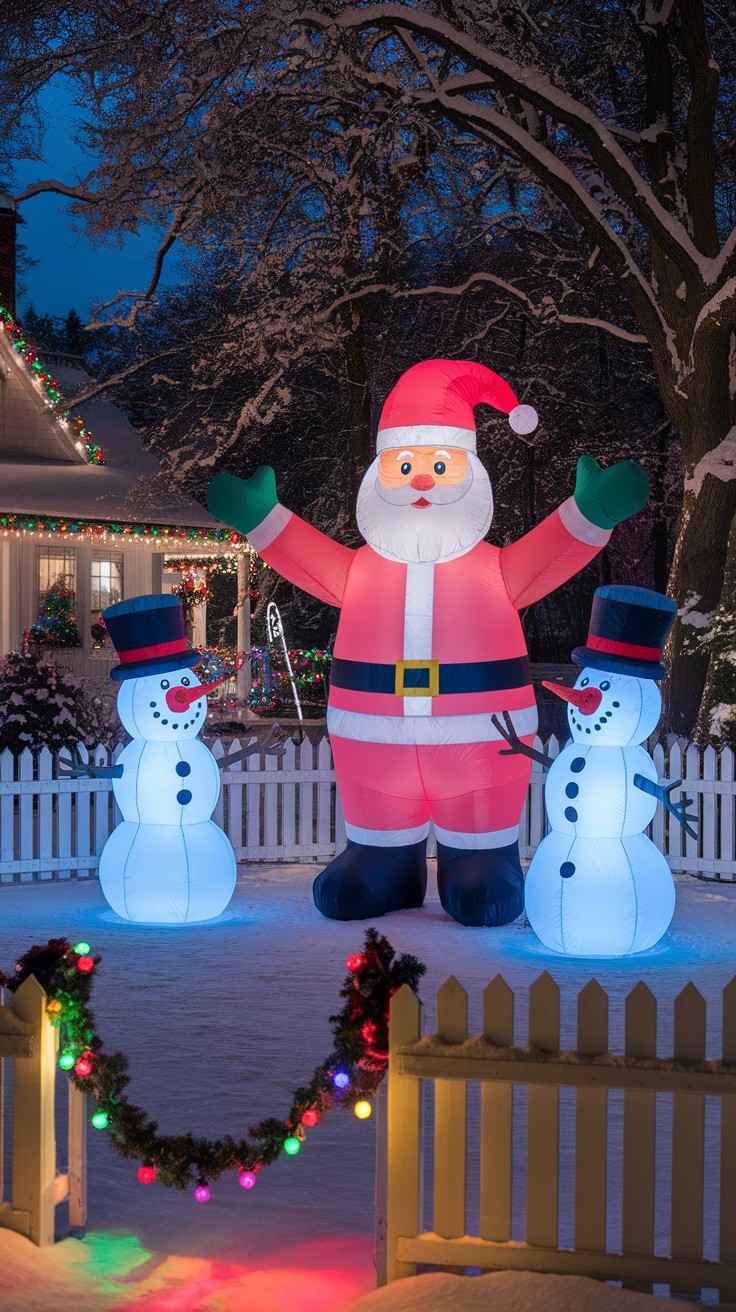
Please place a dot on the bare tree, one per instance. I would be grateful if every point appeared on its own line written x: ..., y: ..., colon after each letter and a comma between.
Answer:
x: 323, y: 170
x: 624, y: 118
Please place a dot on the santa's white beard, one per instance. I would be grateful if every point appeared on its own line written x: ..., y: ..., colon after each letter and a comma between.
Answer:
x: 457, y: 518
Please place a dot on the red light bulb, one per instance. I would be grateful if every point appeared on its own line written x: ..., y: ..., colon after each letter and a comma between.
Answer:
x: 83, y: 1066
x: 146, y: 1174
x: 85, y: 964
x: 354, y: 963
x: 310, y: 1117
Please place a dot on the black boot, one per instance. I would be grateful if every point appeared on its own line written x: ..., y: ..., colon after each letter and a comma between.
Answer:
x: 365, y: 881
x: 480, y: 886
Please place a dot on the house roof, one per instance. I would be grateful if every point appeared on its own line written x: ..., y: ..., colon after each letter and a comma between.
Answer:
x: 44, y: 471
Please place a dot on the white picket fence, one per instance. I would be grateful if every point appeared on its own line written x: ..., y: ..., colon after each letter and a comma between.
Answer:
x: 637, y: 1187
x: 29, y: 1040
x: 288, y: 809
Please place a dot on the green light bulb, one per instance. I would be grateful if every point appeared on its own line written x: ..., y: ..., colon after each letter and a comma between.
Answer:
x: 99, y: 1120
x: 291, y: 1146
x: 82, y: 949
x: 66, y: 1061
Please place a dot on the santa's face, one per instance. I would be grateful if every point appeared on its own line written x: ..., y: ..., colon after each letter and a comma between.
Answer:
x: 425, y: 504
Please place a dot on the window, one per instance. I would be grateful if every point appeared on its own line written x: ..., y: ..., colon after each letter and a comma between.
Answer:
x: 54, y: 563
x: 106, y: 582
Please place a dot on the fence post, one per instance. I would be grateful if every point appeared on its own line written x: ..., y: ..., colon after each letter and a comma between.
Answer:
x: 381, y: 1184
x: 543, y: 1112
x: 34, y: 1144
x: 450, y: 1122
x: 77, y: 1157
x: 404, y: 1207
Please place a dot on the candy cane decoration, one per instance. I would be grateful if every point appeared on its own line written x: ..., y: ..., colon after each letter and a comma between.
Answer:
x: 275, y: 629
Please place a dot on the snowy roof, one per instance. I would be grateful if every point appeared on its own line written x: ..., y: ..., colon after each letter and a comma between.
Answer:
x: 43, y: 472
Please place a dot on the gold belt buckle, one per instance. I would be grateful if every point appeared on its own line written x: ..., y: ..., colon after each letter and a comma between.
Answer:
x: 433, y: 688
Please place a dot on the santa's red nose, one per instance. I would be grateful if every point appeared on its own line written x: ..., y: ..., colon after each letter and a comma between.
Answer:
x: 422, y: 482
x: 587, y: 700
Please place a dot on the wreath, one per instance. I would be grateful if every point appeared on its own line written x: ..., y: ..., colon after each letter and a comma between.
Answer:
x: 347, y: 1078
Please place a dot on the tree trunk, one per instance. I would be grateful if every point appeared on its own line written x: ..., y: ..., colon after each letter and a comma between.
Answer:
x: 699, y: 584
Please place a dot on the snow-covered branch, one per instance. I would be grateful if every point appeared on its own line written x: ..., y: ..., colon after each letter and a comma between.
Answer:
x: 546, y: 312
x: 530, y: 84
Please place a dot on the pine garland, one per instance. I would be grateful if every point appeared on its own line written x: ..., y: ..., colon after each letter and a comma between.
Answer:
x: 347, y: 1078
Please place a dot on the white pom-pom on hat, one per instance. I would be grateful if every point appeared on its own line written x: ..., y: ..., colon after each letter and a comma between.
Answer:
x: 523, y: 418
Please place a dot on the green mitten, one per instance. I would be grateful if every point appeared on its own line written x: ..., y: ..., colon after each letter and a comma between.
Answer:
x: 606, y: 496
x: 243, y: 502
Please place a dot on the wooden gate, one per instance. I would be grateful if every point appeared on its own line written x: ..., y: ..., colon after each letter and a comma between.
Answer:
x: 657, y: 1135
x: 30, y: 1041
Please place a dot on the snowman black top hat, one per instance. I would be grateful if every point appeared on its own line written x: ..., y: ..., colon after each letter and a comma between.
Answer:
x: 149, y: 637
x: 628, y: 630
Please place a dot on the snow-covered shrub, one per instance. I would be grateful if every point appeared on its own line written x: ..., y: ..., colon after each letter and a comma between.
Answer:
x: 42, y: 706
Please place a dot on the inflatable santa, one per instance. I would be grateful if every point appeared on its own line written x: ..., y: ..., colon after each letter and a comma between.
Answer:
x: 429, y: 645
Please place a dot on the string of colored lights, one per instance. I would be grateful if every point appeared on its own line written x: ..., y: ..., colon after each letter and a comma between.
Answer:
x: 49, y: 386
x: 348, y: 1077
x: 71, y: 528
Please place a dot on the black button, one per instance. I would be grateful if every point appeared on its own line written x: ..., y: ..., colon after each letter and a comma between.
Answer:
x: 183, y: 768
x: 570, y: 813
x: 567, y: 869
x: 572, y: 790
x: 183, y: 796
x: 578, y: 764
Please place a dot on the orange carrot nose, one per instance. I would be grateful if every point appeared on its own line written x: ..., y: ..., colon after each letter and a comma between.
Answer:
x: 179, y: 699
x: 587, y: 700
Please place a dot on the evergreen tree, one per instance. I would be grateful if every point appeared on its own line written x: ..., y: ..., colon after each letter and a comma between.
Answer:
x: 56, y: 625
x: 74, y: 335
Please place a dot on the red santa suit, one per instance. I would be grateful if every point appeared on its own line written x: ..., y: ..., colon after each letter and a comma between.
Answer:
x: 429, y: 647
x: 425, y: 654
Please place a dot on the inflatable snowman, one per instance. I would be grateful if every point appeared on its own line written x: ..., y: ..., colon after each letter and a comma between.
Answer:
x: 597, y: 886
x: 167, y: 863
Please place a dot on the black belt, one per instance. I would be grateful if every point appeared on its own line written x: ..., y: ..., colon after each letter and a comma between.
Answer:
x: 429, y: 678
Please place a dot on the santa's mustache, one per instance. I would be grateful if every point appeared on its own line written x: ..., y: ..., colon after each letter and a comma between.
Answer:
x: 438, y: 495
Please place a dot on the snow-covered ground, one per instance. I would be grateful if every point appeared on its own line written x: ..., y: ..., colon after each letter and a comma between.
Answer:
x: 220, y: 1023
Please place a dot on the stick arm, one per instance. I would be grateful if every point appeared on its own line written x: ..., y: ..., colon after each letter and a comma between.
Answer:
x: 517, y: 747
x: 274, y: 744
x: 677, y: 809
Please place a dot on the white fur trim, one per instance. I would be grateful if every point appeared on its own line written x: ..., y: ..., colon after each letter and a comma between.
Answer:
x: 269, y: 528
x: 425, y: 730
x: 477, y: 842
x: 425, y: 435
x: 387, y: 837
x: 523, y: 418
x: 418, y: 616
x: 581, y: 528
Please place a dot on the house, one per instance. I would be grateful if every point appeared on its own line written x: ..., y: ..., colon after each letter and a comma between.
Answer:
x: 82, y: 498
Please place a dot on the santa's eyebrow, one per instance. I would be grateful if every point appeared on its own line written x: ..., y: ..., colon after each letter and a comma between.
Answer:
x: 442, y: 452
x: 401, y: 454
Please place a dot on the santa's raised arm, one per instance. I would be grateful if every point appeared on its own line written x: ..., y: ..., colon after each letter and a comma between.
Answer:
x: 429, y: 645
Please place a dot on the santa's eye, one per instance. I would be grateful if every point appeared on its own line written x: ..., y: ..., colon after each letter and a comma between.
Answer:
x: 406, y: 467
x: 584, y: 683
x: 439, y: 466
x: 164, y: 683
x: 185, y: 682
x: 605, y: 685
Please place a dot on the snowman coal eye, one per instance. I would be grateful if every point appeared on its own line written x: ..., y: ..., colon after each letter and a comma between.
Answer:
x: 605, y: 685
x: 164, y: 683
x: 185, y: 682
x: 584, y: 683
x: 406, y: 467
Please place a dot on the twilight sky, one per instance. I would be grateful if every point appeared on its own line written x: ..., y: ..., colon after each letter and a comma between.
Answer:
x: 70, y: 272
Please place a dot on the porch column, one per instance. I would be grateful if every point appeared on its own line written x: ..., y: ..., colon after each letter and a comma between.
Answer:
x: 244, y: 676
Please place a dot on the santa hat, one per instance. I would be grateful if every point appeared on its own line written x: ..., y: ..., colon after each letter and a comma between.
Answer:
x: 432, y: 405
